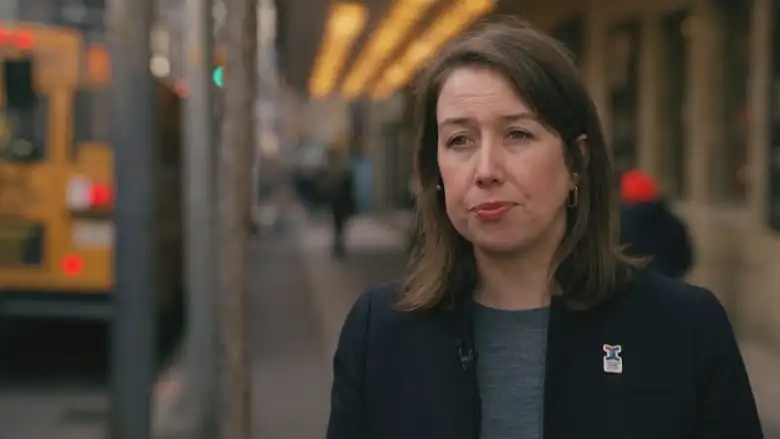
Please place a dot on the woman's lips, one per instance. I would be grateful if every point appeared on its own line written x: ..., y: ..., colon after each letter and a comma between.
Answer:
x: 492, y: 211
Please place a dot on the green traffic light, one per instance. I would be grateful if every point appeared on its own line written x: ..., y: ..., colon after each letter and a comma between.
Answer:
x: 218, y: 76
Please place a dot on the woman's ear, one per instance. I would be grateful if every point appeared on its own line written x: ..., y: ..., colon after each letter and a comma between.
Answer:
x: 584, y: 146
x: 575, y: 180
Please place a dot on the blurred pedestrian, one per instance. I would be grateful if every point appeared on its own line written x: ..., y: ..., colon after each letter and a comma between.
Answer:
x: 649, y: 228
x: 341, y: 199
x: 518, y: 316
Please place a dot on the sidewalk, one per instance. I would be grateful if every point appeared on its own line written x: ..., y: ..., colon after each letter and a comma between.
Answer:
x: 764, y: 370
x: 300, y: 304
x: 401, y: 220
x: 375, y: 254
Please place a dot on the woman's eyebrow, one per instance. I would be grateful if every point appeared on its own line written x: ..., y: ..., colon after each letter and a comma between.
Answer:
x: 456, y: 121
x: 513, y: 117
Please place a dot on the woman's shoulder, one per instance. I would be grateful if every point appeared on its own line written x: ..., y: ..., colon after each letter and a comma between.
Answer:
x: 376, y: 311
x: 649, y: 285
x: 378, y: 299
x: 383, y: 295
x: 379, y: 303
x: 667, y: 300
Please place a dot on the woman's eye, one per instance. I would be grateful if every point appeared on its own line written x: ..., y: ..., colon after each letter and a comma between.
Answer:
x: 458, y: 141
x: 518, y: 135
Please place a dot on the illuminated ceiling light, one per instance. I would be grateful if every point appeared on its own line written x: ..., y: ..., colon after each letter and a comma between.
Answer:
x: 345, y: 23
x: 401, y: 18
x: 454, y: 21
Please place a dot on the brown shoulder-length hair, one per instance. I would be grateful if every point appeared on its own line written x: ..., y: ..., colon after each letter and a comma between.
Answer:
x: 589, y: 263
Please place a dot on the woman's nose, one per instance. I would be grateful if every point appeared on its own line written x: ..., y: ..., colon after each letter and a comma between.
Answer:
x: 490, y: 165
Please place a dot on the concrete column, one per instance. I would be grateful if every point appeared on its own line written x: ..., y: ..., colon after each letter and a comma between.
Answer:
x: 760, y: 89
x: 374, y: 149
x: 705, y: 136
x: 382, y: 113
x: 594, y: 66
x: 651, y: 77
x: 762, y: 307
x: 705, y: 113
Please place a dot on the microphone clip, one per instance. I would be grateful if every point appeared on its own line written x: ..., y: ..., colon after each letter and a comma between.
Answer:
x: 467, y: 356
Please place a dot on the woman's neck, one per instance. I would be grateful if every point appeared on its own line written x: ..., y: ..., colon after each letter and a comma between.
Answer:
x: 516, y: 283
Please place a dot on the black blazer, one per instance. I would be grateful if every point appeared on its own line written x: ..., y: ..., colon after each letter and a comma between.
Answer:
x: 404, y: 375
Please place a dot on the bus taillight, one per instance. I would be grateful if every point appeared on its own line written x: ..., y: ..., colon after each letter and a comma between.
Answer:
x: 85, y: 195
x: 72, y: 265
x: 22, y: 39
x: 100, y: 195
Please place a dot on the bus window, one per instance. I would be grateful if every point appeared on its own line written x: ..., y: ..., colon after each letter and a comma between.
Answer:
x: 19, y: 91
x: 98, y: 65
x: 92, y: 114
x: 23, y: 124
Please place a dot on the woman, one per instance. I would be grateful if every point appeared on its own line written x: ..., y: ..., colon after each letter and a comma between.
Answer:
x: 518, y: 317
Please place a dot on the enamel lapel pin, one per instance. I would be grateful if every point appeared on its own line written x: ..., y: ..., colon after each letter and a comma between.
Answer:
x: 613, y: 362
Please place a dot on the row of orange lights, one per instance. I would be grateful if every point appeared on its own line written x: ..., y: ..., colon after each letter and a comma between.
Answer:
x: 389, y: 35
x: 391, y: 32
x: 455, y: 20
x: 344, y: 24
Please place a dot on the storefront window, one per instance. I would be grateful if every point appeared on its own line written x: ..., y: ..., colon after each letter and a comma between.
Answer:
x: 357, y: 120
x: 571, y: 34
x: 731, y: 177
x: 672, y: 165
x: 406, y: 153
x: 774, y: 135
x: 391, y: 134
x: 624, y: 45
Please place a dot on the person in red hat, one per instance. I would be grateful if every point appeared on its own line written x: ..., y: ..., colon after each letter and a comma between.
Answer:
x: 649, y: 228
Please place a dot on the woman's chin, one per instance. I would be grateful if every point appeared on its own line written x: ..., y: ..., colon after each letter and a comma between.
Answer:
x: 499, y: 244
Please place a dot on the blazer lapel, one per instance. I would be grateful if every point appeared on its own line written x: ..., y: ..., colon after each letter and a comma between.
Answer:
x: 466, y: 390
x: 558, y: 338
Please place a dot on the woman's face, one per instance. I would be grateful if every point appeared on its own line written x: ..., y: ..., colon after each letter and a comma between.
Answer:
x: 503, y: 172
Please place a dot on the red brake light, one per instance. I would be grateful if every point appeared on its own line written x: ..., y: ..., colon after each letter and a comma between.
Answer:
x: 72, y: 265
x: 24, y: 39
x: 21, y: 39
x: 100, y: 195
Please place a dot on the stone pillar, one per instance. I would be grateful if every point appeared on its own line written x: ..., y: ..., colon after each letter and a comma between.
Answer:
x: 651, y: 77
x: 760, y: 89
x: 705, y: 138
x: 594, y: 66
x: 375, y: 151
x: 705, y: 114
x: 763, y: 305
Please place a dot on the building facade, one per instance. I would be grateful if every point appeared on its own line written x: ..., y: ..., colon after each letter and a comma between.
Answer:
x: 688, y: 90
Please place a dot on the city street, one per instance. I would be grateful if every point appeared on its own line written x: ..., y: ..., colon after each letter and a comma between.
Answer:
x: 54, y: 378
x: 301, y: 300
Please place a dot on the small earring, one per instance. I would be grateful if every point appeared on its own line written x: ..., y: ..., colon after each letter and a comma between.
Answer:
x: 573, y: 198
x: 438, y: 187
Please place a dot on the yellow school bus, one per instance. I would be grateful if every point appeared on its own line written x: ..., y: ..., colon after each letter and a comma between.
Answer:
x: 57, y: 180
